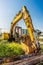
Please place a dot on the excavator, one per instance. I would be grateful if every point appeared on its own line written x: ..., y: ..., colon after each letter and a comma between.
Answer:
x: 28, y: 43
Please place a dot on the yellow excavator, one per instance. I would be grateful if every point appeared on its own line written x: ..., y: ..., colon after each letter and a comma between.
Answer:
x: 28, y: 43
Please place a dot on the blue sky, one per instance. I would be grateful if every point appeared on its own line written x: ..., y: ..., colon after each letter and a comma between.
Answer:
x: 9, y: 8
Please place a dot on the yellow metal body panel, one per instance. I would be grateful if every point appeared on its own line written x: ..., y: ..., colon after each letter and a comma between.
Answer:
x: 5, y: 36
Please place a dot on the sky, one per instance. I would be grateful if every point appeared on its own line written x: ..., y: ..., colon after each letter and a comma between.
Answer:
x: 9, y: 9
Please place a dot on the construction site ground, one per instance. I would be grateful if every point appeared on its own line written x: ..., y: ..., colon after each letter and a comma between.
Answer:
x: 27, y: 60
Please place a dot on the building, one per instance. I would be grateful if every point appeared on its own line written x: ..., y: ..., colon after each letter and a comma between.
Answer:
x: 40, y: 37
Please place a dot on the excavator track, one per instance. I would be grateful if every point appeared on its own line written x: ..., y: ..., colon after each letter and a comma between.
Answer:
x: 27, y: 61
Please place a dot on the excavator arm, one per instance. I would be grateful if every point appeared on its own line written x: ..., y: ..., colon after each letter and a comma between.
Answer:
x: 15, y: 20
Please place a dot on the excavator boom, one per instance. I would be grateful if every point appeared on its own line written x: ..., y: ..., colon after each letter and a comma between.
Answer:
x: 29, y: 25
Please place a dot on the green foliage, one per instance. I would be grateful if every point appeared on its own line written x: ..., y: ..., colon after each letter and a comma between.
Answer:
x: 4, y: 41
x: 41, y: 47
x: 10, y: 49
